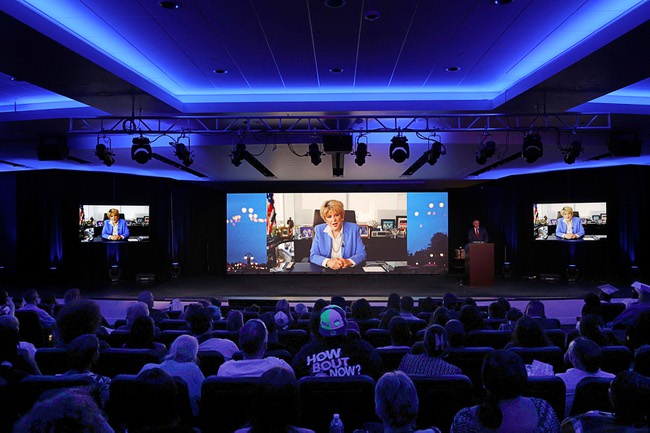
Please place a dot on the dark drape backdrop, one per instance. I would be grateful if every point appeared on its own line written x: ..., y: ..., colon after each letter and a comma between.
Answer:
x: 40, y: 223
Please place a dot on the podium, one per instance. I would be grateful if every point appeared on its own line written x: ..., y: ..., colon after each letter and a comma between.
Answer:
x: 479, y: 265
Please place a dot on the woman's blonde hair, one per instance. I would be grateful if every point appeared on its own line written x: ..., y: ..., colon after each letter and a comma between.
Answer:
x: 567, y: 209
x: 112, y: 212
x: 331, y: 206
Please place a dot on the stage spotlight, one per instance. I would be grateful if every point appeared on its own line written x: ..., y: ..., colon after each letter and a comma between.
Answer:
x: 183, y: 153
x: 114, y: 273
x: 104, y: 154
x: 485, y: 151
x: 361, y: 154
x: 141, y: 150
x: 572, y: 152
x: 507, y: 269
x: 399, y: 148
x: 572, y: 273
x: 238, y: 155
x: 314, y: 153
x: 533, y: 149
x: 175, y: 270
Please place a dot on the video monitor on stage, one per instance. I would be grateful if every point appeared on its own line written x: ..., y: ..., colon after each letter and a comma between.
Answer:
x: 400, y: 232
x: 585, y: 221
x: 96, y: 224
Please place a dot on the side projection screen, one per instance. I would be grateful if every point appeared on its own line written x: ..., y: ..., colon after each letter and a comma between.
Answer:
x: 398, y: 232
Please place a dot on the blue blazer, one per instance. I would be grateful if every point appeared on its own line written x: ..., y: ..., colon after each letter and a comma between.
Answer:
x: 122, y: 229
x: 353, y: 248
x: 576, y: 224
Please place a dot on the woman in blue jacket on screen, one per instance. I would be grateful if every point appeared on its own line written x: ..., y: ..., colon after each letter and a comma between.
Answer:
x: 337, y: 244
x: 569, y: 226
x: 115, y: 229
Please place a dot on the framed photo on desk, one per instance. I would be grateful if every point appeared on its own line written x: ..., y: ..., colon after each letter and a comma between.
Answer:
x: 364, y: 230
x: 401, y: 222
x: 387, y: 224
x: 306, y: 232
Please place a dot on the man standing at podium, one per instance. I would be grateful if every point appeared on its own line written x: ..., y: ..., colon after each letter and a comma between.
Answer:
x: 477, y: 233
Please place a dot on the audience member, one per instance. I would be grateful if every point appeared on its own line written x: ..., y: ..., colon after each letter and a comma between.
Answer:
x: 134, y: 311
x: 181, y: 361
x: 361, y: 310
x: 505, y: 409
x: 284, y: 306
x: 393, y: 301
x: 272, y: 341
x: 396, y: 403
x: 427, y: 305
x: 589, y: 327
x: 276, y: 405
x: 7, y: 307
x: 71, y: 410
x: 83, y: 353
x: 235, y: 320
x: 301, y: 311
x: 387, y: 316
x: 592, y: 305
x: 535, y: 309
x: 253, y: 339
x: 455, y: 334
x: 25, y: 349
x: 215, y: 308
x: 430, y: 363
x: 337, y: 353
x: 504, y: 303
x: 319, y: 305
x: 441, y: 316
x: 585, y: 356
x: 630, y: 315
x: 72, y: 295
x: 157, y: 315
x: 528, y: 333
x: 14, y: 365
x: 159, y: 406
x: 406, y: 305
x: 470, y: 317
x: 450, y: 302
x: 282, y: 320
x: 31, y: 299
x: 496, y: 311
x: 629, y: 394
x: 639, y: 334
x: 400, y: 333
x: 142, y: 336
x: 199, y: 322
x: 512, y: 317
x: 339, y: 301
x: 48, y: 302
x: 75, y: 319
x: 469, y: 301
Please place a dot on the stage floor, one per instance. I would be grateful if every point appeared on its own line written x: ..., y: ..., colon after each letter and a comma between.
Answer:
x: 307, y: 288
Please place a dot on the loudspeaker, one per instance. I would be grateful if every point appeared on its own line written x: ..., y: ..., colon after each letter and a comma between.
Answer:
x: 53, y: 149
x: 337, y: 143
x: 624, y: 144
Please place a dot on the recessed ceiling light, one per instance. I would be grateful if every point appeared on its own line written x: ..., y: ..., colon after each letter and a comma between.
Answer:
x: 166, y: 4
x: 336, y: 70
x: 502, y: 2
x: 372, y: 15
x: 452, y: 69
x: 220, y: 71
x: 334, y: 4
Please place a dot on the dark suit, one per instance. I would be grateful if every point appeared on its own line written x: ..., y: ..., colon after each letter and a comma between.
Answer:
x: 482, y: 235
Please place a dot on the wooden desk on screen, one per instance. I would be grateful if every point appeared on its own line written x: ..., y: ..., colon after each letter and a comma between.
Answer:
x: 479, y: 265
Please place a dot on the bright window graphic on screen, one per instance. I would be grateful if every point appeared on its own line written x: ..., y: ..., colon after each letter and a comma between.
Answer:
x: 375, y: 233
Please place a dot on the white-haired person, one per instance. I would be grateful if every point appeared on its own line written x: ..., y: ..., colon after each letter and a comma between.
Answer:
x: 337, y: 244
x: 396, y: 403
x: 569, y: 226
x: 181, y: 361
x: 115, y: 228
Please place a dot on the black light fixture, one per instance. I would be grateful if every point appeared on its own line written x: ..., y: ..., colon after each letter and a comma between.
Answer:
x: 486, y: 149
x: 175, y: 270
x: 104, y: 153
x: 572, y: 273
x: 361, y: 153
x: 114, y: 273
x: 572, y: 152
x: 141, y: 150
x: 532, y: 149
x: 314, y: 153
x: 430, y: 156
x: 434, y: 153
x: 238, y: 154
x: 399, y: 148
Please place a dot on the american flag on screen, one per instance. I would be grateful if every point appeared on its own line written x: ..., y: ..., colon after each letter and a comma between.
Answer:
x: 535, y: 213
x: 270, y: 213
